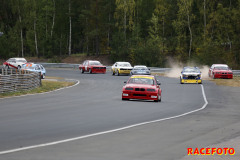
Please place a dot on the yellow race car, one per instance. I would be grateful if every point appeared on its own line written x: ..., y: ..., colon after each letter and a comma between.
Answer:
x: 191, y: 75
x: 121, y: 68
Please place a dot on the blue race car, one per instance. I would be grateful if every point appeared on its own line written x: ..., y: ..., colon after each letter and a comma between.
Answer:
x: 35, y: 68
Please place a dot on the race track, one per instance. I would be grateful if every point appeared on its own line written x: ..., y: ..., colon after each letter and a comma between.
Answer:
x: 95, y: 105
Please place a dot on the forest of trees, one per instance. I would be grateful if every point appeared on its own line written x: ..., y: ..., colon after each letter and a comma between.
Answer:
x: 140, y: 31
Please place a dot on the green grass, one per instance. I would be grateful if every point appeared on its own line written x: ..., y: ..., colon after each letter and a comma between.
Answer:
x: 46, y: 87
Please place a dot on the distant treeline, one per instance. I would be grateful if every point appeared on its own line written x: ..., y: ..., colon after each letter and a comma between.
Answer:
x: 140, y: 31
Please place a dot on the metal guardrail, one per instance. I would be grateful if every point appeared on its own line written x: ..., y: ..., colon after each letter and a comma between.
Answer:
x: 59, y: 65
x: 12, y: 80
x: 75, y: 66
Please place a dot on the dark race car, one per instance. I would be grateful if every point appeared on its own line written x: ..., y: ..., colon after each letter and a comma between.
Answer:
x: 144, y: 87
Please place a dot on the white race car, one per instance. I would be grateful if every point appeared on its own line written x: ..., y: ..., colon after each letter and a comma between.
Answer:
x: 14, y: 63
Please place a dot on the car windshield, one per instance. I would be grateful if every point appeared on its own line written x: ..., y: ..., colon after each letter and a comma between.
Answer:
x: 191, y: 70
x: 96, y: 63
x: 221, y: 68
x: 141, y: 80
x: 124, y: 65
x: 23, y: 61
x: 140, y: 68
x: 28, y: 67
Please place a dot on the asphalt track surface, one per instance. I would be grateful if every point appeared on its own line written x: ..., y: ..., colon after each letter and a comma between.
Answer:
x: 95, y: 106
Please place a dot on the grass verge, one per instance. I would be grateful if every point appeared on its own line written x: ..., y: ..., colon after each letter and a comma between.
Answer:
x: 46, y: 87
x: 235, y: 82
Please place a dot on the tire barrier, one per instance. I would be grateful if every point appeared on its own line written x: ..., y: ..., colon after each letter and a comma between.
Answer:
x: 12, y: 80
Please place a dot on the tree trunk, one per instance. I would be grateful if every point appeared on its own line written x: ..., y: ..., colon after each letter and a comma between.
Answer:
x: 125, y: 21
x: 35, y: 35
x: 205, y: 20
x: 53, y: 22
x: 60, y: 46
x: 87, y: 41
x: 163, y: 30
x: 190, y: 43
x: 21, y: 32
x: 97, y: 36
x: 70, y: 29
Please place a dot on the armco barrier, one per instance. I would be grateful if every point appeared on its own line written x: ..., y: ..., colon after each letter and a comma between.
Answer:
x: 75, y: 66
x: 60, y: 65
x: 18, y: 80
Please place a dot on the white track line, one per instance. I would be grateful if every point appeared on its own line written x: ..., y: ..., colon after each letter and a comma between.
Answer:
x: 46, y: 92
x: 110, y: 131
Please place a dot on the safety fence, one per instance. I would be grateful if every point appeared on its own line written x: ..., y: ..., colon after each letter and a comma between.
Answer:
x: 12, y: 80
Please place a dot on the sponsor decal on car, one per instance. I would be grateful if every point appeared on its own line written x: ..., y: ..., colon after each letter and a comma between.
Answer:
x: 142, y: 77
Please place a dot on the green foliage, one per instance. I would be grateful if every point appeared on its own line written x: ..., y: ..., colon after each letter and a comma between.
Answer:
x: 140, y: 31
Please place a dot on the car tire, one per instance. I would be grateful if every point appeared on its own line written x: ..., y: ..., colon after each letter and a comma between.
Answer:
x: 113, y: 73
x: 159, y: 99
x: 118, y: 73
x: 90, y: 70
x: 214, y: 76
x: 43, y: 76
x: 19, y: 67
x: 82, y: 70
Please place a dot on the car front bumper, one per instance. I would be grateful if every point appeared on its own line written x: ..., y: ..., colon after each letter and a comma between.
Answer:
x: 124, y: 71
x: 191, y: 81
x: 137, y: 95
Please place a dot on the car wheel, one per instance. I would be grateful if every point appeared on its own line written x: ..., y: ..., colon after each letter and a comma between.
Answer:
x: 118, y: 73
x: 43, y: 76
x: 113, y: 73
x: 159, y: 99
x: 82, y: 70
x: 90, y: 70
x: 19, y: 67
x: 214, y: 76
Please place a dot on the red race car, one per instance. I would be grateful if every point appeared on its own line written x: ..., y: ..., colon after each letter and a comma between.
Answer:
x: 220, y: 71
x: 144, y: 87
x: 92, y: 67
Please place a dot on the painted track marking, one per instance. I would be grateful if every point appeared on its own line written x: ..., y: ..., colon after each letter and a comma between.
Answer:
x: 110, y: 131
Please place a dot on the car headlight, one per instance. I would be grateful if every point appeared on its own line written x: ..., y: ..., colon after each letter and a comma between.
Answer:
x: 153, y: 96
x: 151, y: 90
